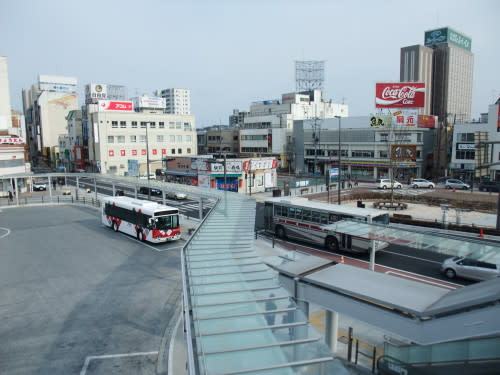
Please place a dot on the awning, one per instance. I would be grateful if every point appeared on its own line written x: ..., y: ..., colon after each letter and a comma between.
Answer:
x: 182, y: 173
x: 422, y: 240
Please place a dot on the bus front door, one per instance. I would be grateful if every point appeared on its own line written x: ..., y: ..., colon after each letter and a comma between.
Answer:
x: 346, y: 241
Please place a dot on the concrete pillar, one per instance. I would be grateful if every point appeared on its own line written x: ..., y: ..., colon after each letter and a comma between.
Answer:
x: 95, y: 188
x: 113, y: 189
x: 77, y: 187
x: 332, y: 330
x: 201, y: 208
x: 50, y: 188
x: 16, y: 190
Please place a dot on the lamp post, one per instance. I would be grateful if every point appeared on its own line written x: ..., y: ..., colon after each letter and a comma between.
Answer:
x: 340, y: 168
x: 147, y: 161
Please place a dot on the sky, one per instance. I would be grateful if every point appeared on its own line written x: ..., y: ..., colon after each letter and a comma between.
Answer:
x: 232, y: 53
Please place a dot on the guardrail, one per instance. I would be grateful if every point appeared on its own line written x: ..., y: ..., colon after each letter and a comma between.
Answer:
x: 44, y: 200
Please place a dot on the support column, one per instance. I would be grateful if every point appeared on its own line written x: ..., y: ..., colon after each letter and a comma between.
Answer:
x: 113, y: 189
x: 95, y: 188
x: 372, y: 254
x: 332, y: 330
x: 200, y: 215
x: 77, y: 187
x: 16, y: 189
x: 50, y: 188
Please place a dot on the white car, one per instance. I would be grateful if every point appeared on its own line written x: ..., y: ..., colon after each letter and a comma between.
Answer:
x: 152, y: 176
x: 422, y: 183
x: 383, y: 183
x: 39, y: 186
x: 176, y: 195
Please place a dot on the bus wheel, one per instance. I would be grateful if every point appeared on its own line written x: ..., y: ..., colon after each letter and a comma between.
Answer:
x: 280, y: 232
x: 114, y: 226
x: 332, y: 244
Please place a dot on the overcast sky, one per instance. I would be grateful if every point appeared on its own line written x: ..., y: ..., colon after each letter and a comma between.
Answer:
x: 231, y: 53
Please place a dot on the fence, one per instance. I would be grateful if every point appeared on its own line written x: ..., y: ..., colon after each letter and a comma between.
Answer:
x: 58, y: 199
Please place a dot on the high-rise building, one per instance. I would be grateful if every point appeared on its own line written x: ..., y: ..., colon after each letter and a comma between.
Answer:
x: 178, y: 101
x: 5, y: 116
x: 416, y: 66
x: 46, y: 106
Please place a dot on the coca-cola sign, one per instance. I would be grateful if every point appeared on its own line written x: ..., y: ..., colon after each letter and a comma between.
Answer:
x: 400, y: 95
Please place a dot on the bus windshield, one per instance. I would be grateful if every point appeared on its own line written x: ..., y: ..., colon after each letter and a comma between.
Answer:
x: 165, y: 222
x: 381, y: 219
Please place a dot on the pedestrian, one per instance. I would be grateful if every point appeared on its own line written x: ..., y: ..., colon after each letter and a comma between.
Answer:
x: 355, y: 182
x: 54, y: 183
x: 11, y: 196
x: 350, y: 184
x: 270, y: 306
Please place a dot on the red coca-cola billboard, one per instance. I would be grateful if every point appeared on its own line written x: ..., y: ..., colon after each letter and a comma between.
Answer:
x: 400, y: 95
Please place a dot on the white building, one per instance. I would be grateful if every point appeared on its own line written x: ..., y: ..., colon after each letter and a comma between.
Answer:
x: 46, y: 106
x: 178, y: 101
x: 267, y: 129
x: 117, y: 137
x: 468, y: 159
x: 5, y: 115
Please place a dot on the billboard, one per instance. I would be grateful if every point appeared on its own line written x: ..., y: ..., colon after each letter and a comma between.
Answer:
x: 400, y: 95
x: 404, y: 152
x: 95, y: 92
x: 113, y: 105
x: 150, y: 102
x: 447, y: 35
x: 405, y: 117
x: 381, y: 120
x: 426, y: 121
x: 11, y: 140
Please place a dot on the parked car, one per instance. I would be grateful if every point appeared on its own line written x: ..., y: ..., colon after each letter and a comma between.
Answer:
x: 456, y: 184
x: 149, y: 191
x: 469, y: 269
x: 39, y: 186
x: 176, y: 195
x: 489, y: 186
x: 152, y: 176
x: 383, y: 183
x: 422, y: 183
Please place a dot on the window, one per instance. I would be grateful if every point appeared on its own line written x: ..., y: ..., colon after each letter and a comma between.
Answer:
x: 187, y: 138
x: 187, y: 126
x: 142, y: 138
x: 172, y: 139
x: 419, y: 137
x: 114, y: 124
x: 143, y: 124
x: 188, y: 151
x: 173, y: 151
x: 121, y: 139
x: 179, y: 150
x: 178, y: 125
x: 171, y: 125
x: 179, y: 139
x: 383, y: 154
x: 111, y: 139
x: 134, y: 124
x: 123, y: 124
x: 152, y: 125
x: 133, y: 138
x: 161, y: 125
x: 466, y: 137
x: 363, y: 153
x: 159, y: 138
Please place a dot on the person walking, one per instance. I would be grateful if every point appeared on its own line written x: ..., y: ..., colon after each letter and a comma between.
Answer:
x: 11, y: 196
x: 54, y: 183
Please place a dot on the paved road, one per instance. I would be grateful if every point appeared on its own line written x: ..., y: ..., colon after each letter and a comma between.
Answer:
x: 79, y: 298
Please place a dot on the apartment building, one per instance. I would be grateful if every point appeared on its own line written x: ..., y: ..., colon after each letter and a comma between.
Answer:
x: 178, y: 100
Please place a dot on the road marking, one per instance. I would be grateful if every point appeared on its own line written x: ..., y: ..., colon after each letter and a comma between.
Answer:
x: 108, y: 356
x: 420, y: 279
x: 408, y: 256
x: 6, y: 234
x: 171, y: 347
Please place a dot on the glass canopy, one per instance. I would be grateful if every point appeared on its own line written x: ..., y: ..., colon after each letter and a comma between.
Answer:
x: 419, y: 239
x: 242, y: 321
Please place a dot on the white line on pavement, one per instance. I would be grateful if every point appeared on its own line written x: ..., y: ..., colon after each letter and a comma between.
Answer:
x: 107, y: 356
x: 6, y: 234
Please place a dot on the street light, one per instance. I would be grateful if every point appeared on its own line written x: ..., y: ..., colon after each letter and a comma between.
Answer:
x: 147, y: 160
x: 340, y: 169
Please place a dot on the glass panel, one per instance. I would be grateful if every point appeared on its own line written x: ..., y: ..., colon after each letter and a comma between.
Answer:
x: 228, y: 287
x: 484, y: 349
x: 453, y: 351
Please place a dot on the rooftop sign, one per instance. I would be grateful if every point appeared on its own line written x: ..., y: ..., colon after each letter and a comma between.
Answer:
x: 447, y: 35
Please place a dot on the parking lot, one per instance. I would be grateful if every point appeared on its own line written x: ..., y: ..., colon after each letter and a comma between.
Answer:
x: 79, y: 298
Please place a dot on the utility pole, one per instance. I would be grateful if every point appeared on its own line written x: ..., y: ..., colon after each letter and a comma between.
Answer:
x: 147, y: 160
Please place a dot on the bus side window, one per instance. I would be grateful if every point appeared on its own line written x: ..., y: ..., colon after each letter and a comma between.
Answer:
x: 315, y: 217
x: 277, y: 209
x: 284, y: 211
x: 291, y: 212
x: 306, y: 215
x: 298, y: 213
x: 324, y: 218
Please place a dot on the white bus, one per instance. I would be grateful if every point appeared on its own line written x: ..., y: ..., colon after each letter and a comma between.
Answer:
x: 313, y: 222
x: 148, y: 221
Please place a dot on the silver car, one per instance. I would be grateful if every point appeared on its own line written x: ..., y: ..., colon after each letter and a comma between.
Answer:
x: 422, y: 183
x: 456, y: 184
x: 469, y: 269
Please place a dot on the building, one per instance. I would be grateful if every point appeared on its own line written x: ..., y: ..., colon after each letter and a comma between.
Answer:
x: 5, y: 114
x: 449, y: 90
x: 122, y: 141
x: 46, y: 106
x: 366, y: 152
x: 178, y: 101
x: 267, y: 130
x: 416, y: 65
x: 222, y: 139
x: 237, y: 118
x: 476, y: 148
x: 71, y: 149
x: 102, y: 91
